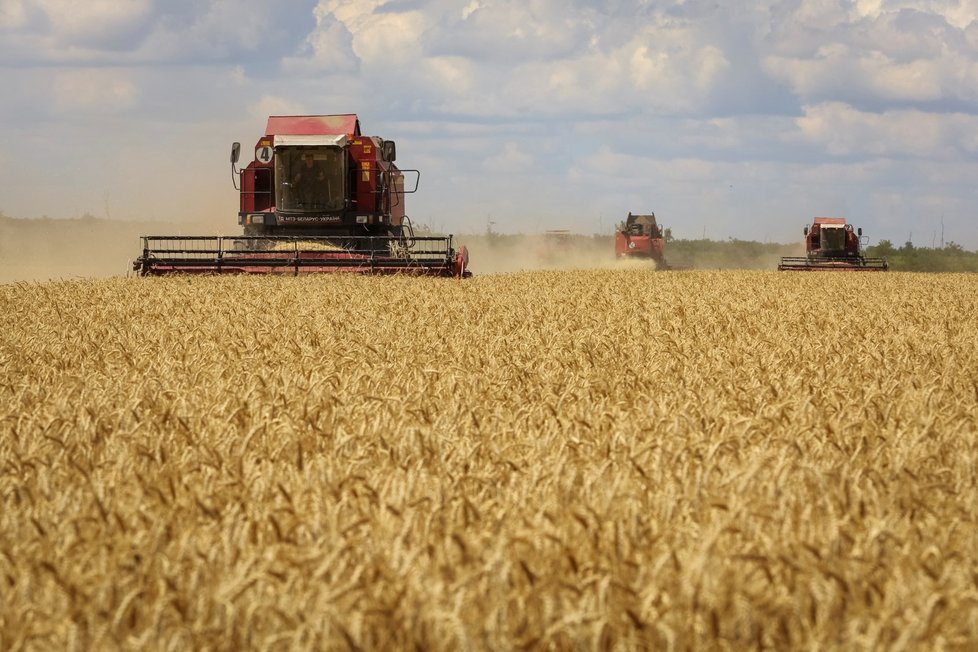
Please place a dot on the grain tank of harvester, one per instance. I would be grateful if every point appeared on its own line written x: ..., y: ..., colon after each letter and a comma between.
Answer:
x: 318, y: 197
x: 831, y: 244
x: 639, y: 237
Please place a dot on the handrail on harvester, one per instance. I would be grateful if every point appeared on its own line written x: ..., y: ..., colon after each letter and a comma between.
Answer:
x: 420, y: 255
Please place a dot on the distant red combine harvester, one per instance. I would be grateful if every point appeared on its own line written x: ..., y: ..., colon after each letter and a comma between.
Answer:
x: 832, y: 245
x: 318, y: 197
x: 639, y: 237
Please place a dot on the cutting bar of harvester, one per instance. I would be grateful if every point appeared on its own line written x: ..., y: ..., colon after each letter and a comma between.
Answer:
x: 827, y: 264
x: 417, y: 256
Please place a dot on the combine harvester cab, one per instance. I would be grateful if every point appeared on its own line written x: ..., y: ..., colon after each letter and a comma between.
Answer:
x: 640, y: 238
x: 832, y: 245
x: 318, y: 197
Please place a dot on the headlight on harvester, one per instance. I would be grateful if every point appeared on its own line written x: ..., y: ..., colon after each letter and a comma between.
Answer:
x: 257, y: 218
x: 361, y: 219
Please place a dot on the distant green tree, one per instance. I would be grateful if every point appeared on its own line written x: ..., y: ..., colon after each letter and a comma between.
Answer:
x: 884, y: 248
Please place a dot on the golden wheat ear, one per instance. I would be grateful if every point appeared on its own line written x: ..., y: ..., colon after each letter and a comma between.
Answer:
x: 614, y: 459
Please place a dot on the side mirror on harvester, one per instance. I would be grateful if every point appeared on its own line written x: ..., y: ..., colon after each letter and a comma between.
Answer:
x: 859, y: 232
x: 388, y: 151
x: 235, y: 153
x: 806, y: 231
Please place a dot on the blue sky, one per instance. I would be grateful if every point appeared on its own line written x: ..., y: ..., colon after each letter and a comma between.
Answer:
x: 734, y: 120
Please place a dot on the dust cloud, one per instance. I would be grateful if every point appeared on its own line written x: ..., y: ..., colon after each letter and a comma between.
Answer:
x: 49, y: 249
x: 497, y: 253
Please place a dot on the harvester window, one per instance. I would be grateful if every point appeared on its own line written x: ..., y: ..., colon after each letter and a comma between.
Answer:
x: 311, y: 178
x: 833, y: 240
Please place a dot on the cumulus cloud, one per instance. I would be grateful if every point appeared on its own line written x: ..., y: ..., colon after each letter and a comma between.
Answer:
x: 96, y: 90
x: 510, y: 160
x: 13, y: 15
x: 845, y: 131
x: 506, y: 58
x: 329, y: 49
x: 273, y: 105
x: 376, y: 37
x: 838, y: 73
x: 102, y: 24
x: 148, y: 32
x: 718, y: 114
x: 874, y: 53
x: 251, y: 32
x: 512, y: 31
x: 959, y: 13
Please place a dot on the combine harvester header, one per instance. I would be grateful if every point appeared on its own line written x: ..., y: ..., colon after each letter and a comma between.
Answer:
x: 832, y: 245
x: 318, y: 197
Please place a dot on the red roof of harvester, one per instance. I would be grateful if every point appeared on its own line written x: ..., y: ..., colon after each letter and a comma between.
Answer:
x: 830, y: 220
x: 312, y: 125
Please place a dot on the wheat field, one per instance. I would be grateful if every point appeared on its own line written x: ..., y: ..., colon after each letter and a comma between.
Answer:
x: 604, y: 459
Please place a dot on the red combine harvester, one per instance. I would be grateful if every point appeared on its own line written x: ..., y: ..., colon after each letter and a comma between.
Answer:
x: 833, y: 246
x: 318, y: 197
x: 639, y: 237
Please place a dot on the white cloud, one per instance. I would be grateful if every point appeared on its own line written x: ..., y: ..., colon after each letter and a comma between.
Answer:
x: 456, y: 76
x: 509, y: 161
x: 377, y: 37
x: 329, y: 50
x: 505, y: 31
x: 213, y: 30
x: 959, y: 13
x: 13, y: 14
x: 836, y: 71
x: 272, y: 105
x: 911, y: 52
x: 470, y: 8
x: 844, y: 131
x: 94, y: 22
x: 145, y: 32
x: 663, y: 71
x: 97, y: 90
x: 718, y: 116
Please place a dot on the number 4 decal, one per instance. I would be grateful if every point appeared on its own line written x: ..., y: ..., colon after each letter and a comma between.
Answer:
x: 263, y: 154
